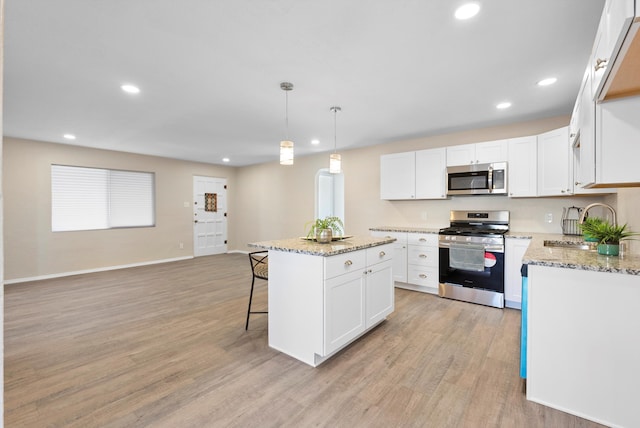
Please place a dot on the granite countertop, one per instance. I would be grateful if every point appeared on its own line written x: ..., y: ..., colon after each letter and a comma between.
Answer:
x: 407, y: 229
x: 304, y: 246
x: 562, y: 257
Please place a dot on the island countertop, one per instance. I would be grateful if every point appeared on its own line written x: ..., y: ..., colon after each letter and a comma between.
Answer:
x: 568, y: 258
x: 305, y: 246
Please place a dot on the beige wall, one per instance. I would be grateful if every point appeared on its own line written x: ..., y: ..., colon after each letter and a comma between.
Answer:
x: 266, y: 201
x: 276, y: 201
x: 34, y: 251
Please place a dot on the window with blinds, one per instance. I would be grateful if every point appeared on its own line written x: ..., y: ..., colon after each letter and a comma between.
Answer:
x: 92, y: 198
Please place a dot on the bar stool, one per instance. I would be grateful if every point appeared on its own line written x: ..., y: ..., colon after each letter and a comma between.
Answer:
x: 260, y: 270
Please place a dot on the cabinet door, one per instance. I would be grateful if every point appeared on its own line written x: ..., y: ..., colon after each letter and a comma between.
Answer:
x: 618, y: 141
x: 423, y: 255
x: 431, y: 168
x: 523, y: 167
x: 615, y: 22
x: 399, y: 253
x: 379, y: 292
x: 553, y: 163
x: 463, y: 154
x: 492, y: 151
x: 398, y: 176
x: 585, y: 167
x: 344, y: 316
x: 513, y: 253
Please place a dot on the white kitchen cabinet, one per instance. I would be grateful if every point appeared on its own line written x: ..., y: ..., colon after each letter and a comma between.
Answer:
x: 554, y: 164
x: 430, y: 174
x: 617, y: 142
x: 317, y: 305
x: 422, y: 262
x: 487, y: 152
x: 606, y: 57
x: 398, y: 176
x: 358, y: 300
x: 582, y: 347
x: 344, y: 311
x: 399, y: 253
x: 379, y: 295
x: 522, y: 167
x: 513, y: 253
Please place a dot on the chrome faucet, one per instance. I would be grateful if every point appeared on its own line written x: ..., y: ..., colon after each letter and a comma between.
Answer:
x: 597, y: 204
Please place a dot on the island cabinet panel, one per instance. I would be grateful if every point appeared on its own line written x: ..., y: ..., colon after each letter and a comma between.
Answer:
x: 343, y: 310
x: 319, y: 304
x: 582, y: 343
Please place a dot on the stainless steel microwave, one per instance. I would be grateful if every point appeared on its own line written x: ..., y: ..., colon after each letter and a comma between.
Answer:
x: 477, y: 179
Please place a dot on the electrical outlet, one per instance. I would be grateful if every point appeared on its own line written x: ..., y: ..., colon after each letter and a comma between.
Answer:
x: 549, y: 217
x: 423, y: 216
x: 181, y: 246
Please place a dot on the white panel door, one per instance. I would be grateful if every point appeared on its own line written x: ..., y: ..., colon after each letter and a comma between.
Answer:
x: 210, y: 216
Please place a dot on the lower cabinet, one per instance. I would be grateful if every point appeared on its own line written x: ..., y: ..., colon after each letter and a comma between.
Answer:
x: 318, y: 305
x: 415, y: 260
x: 513, y: 253
x: 356, y: 301
x: 422, y: 262
x: 399, y: 253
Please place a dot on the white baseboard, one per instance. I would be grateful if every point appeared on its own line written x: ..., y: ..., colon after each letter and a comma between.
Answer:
x: 102, y: 269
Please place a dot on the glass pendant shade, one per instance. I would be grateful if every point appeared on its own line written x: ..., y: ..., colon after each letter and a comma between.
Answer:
x: 335, y: 163
x: 286, y: 152
x: 286, y: 146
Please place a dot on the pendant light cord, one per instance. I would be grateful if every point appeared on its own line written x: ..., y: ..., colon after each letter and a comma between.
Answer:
x: 335, y: 127
x: 286, y: 115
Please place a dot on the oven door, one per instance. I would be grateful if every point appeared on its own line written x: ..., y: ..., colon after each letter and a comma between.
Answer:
x: 489, y: 275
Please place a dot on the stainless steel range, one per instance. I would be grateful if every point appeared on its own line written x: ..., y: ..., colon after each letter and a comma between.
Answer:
x: 471, y: 252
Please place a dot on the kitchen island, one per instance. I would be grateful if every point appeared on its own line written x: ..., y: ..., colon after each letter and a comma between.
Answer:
x: 324, y: 296
x: 583, y: 328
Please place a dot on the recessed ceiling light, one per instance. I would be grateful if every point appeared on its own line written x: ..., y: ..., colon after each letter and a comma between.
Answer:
x: 503, y: 105
x: 315, y: 142
x: 69, y: 136
x: 130, y: 89
x: 226, y: 160
x: 548, y: 81
x: 468, y: 10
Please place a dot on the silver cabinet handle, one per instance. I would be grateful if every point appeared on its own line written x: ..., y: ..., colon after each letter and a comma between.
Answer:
x: 382, y: 254
x: 348, y: 263
x: 600, y: 63
x: 423, y: 256
x: 422, y: 240
x: 423, y: 276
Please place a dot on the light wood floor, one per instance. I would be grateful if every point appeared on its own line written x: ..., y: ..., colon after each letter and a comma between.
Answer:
x: 165, y: 346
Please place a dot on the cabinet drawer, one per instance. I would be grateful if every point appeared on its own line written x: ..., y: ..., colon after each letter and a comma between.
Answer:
x: 426, y: 276
x: 423, y: 255
x: 422, y: 239
x: 344, y: 263
x: 401, y: 237
x: 379, y: 254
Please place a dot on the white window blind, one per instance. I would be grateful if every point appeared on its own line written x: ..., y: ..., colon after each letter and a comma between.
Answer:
x: 93, y: 198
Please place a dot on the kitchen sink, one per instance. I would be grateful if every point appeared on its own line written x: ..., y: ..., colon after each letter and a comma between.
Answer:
x: 585, y: 246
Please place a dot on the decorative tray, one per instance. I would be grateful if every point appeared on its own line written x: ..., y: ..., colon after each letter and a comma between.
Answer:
x: 334, y: 238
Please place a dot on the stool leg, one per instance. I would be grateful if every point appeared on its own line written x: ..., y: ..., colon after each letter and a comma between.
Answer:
x: 253, y: 280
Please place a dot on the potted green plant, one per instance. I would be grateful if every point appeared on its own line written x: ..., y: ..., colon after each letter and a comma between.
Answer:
x: 324, y: 229
x: 607, y: 235
x: 589, y: 224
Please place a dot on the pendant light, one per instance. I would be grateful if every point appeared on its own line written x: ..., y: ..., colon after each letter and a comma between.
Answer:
x: 335, y: 160
x: 286, y: 146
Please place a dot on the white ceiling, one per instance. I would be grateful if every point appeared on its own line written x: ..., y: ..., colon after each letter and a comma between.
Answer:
x: 210, y: 71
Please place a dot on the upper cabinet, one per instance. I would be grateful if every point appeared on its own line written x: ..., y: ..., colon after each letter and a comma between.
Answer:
x: 398, y: 176
x: 430, y: 174
x: 413, y: 175
x: 522, y: 167
x: 465, y: 154
x: 554, y: 167
x: 615, y: 58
